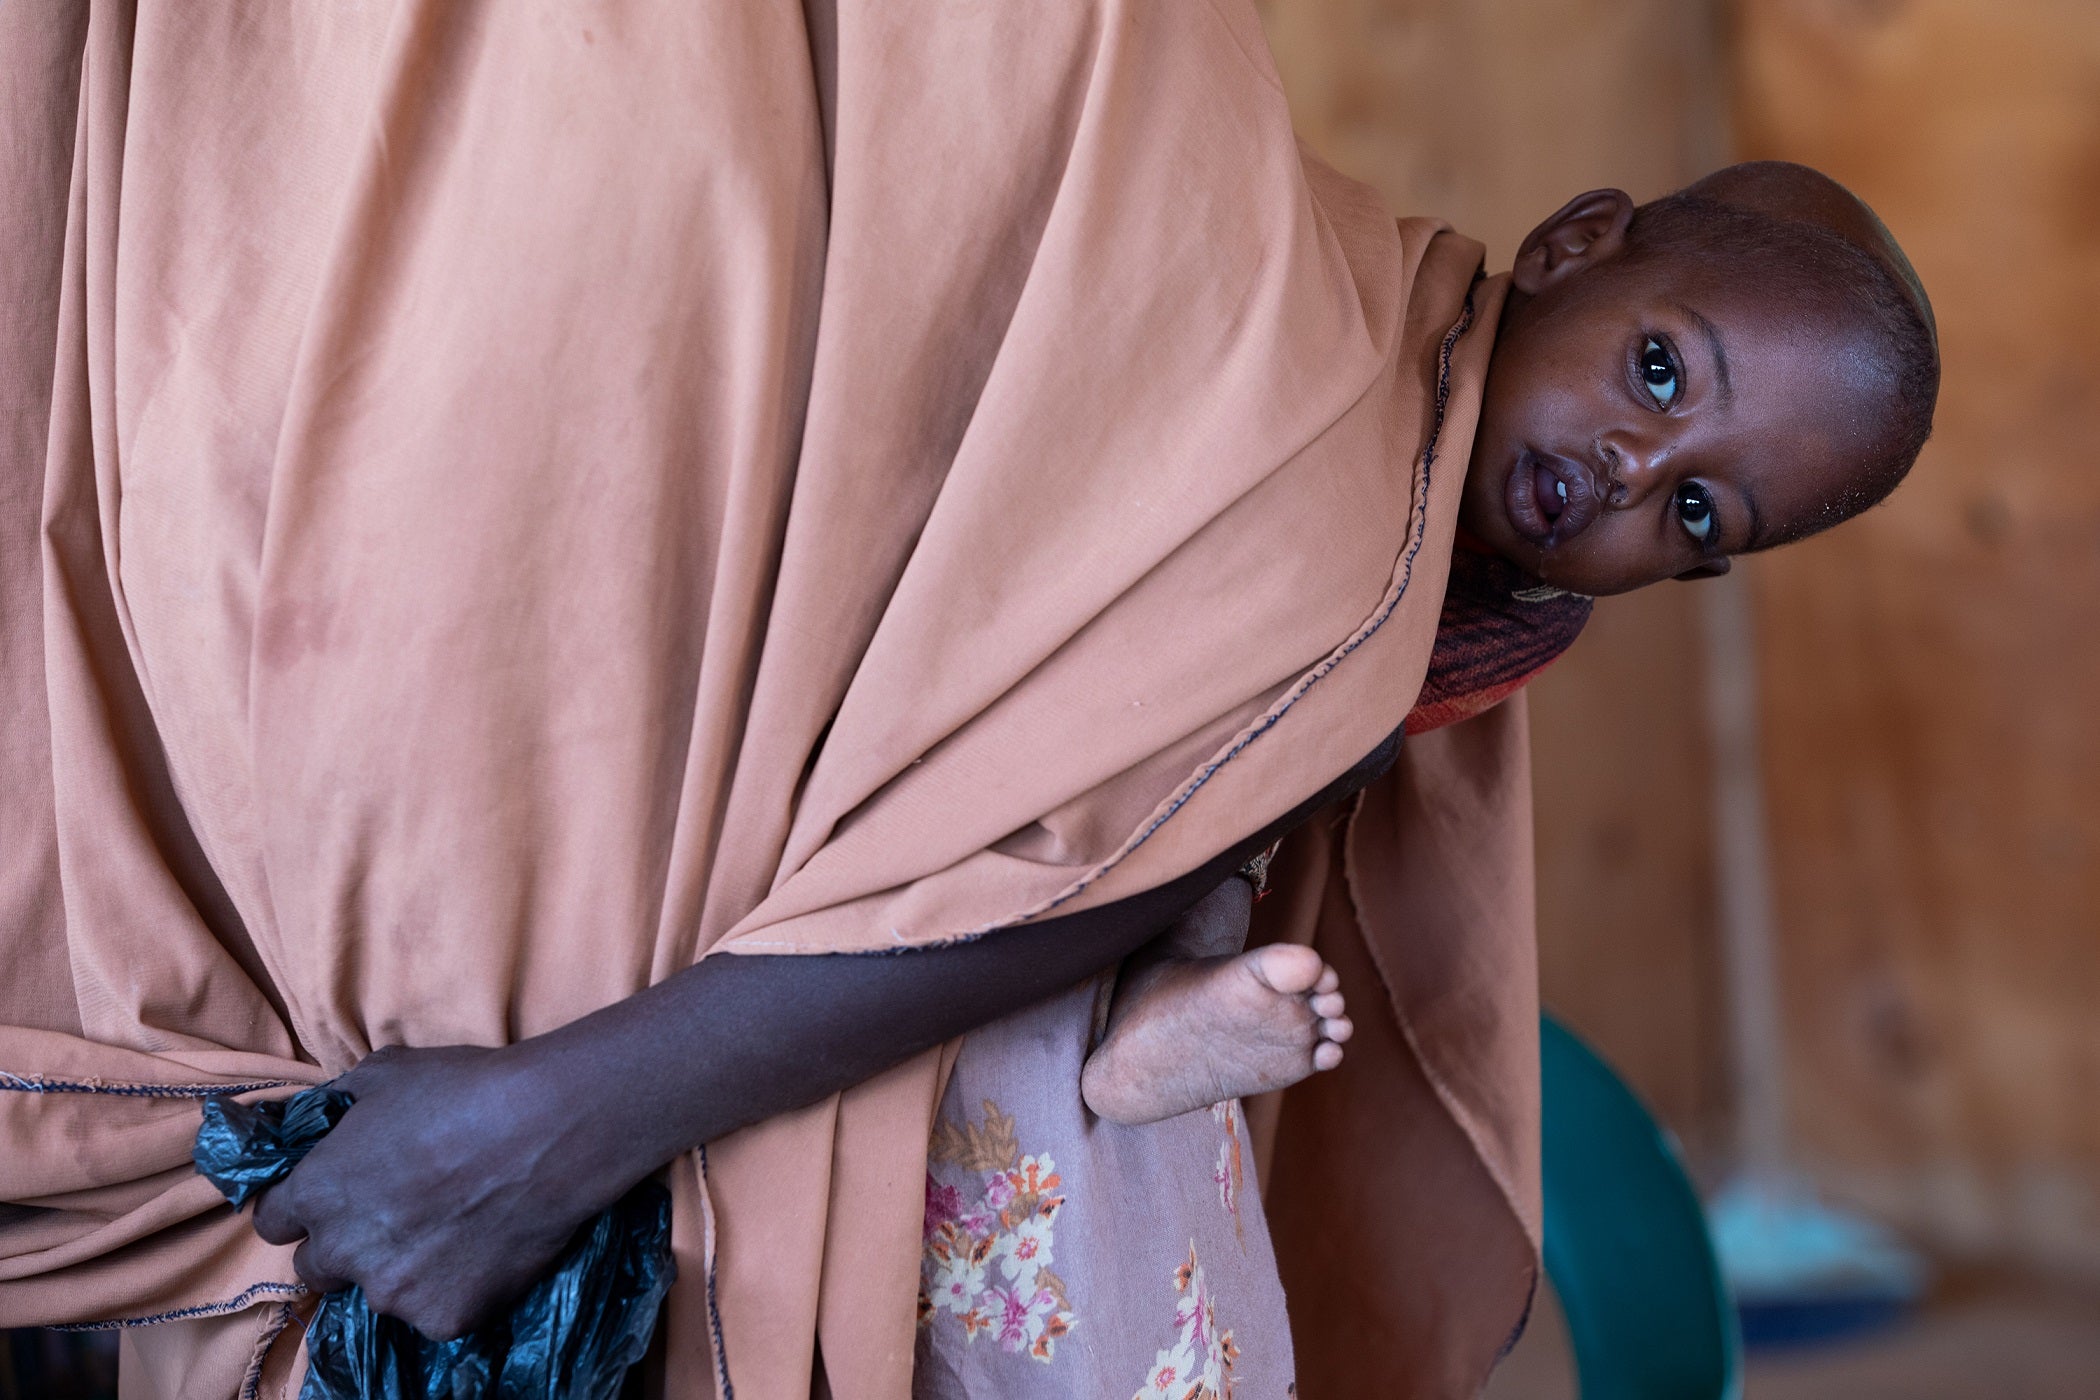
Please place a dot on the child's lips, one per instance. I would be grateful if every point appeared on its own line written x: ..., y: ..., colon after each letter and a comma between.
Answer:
x: 1550, y: 499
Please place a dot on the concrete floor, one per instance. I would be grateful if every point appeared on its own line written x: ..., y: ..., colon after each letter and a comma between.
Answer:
x: 1981, y: 1338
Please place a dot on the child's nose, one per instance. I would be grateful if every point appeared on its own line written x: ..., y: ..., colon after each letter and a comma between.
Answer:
x: 1635, y: 467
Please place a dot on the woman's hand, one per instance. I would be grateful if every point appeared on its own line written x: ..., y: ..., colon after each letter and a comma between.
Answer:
x: 448, y: 1189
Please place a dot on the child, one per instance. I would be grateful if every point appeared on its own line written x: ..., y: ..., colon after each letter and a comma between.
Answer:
x: 1736, y: 366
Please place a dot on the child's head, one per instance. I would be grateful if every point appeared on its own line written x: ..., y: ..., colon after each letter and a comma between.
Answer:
x: 1737, y: 365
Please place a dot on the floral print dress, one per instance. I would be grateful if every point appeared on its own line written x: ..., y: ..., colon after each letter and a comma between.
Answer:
x: 1066, y: 1256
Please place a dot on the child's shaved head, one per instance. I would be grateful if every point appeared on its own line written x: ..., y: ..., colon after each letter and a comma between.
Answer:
x: 1734, y: 366
x: 1822, y: 248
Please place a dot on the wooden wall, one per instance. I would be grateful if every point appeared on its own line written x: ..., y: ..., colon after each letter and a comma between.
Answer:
x: 1932, y: 673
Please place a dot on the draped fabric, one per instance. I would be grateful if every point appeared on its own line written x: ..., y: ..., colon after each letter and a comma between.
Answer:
x: 1498, y: 630
x: 505, y: 498
x: 1402, y: 1188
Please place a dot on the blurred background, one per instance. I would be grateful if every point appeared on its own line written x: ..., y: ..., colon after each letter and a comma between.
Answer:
x: 1887, y: 984
x: 1818, y: 843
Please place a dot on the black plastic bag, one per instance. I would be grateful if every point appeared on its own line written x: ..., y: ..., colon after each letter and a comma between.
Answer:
x: 244, y: 1148
x: 572, y: 1337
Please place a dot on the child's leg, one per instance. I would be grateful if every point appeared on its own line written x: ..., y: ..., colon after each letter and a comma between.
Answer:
x: 1196, y: 1020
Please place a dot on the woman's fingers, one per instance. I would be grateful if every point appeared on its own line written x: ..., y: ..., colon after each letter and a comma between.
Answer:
x: 365, y: 1076
x: 277, y: 1217
x: 411, y: 1195
x: 313, y: 1271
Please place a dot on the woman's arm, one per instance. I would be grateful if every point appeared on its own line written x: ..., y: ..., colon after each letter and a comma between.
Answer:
x: 461, y: 1172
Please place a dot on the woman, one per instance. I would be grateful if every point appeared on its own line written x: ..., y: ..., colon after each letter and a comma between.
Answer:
x: 533, y: 502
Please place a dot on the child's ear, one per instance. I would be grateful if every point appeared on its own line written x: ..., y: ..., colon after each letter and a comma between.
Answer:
x: 1712, y: 568
x: 1588, y: 229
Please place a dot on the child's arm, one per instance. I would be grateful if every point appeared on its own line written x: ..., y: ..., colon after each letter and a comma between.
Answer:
x: 461, y: 1172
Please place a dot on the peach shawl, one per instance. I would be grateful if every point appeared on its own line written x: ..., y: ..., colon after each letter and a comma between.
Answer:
x: 503, y: 499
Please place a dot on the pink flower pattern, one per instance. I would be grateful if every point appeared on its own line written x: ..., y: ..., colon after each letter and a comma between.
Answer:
x: 1198, y: 1364
x: 1226, y: 1174
x: 1021, y: 1303
x: 943, y: 1204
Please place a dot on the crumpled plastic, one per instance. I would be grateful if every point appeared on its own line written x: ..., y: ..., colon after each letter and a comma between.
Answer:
x: 572, y: 1337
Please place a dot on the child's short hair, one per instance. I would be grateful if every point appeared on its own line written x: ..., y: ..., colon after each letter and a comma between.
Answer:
x: 1816, y: 268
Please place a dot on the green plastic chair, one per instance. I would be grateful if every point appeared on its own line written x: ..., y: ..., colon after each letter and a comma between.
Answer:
x: 1649, y: 1316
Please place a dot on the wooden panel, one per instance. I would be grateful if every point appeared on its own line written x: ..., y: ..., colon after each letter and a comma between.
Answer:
x: 1931, y: 672
x: 1627, y: 940
x: 1491, y: 113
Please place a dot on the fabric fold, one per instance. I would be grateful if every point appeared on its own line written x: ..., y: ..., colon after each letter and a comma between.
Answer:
x: 524, y: 498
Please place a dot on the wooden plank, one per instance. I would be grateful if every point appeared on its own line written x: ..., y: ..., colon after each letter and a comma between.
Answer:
x: 1930, y: 672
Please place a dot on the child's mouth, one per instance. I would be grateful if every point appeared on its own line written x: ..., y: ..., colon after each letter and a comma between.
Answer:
x: 1549, y: 498
x: 1550, y: 492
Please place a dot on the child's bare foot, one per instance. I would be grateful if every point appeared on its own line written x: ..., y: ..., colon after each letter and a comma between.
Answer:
x: 1187, y: 1033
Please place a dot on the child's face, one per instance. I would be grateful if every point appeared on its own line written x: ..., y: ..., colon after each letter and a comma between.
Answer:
x: 1646, y: 418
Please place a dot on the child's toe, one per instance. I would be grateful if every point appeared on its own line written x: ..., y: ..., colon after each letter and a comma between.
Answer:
x: 1330, y: 981
x: 1327, y: 1004
x: 1327, y: 1055
x: 1289, y: 968
x: 1337, y: 1029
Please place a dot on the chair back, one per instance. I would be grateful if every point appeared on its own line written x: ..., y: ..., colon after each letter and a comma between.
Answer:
x: 1649, y: 1316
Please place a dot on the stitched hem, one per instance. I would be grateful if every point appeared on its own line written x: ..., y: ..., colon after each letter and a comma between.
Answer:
x: 1326, y: 667
x: 37, y: 1084
x: 1268, y: 721
x: 714, y: 1300
x: 246, y: 1298
x: 251, y: 1384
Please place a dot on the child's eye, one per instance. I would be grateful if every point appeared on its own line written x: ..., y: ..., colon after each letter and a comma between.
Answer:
x: 1659, y: 375
x: 1695, y: 511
